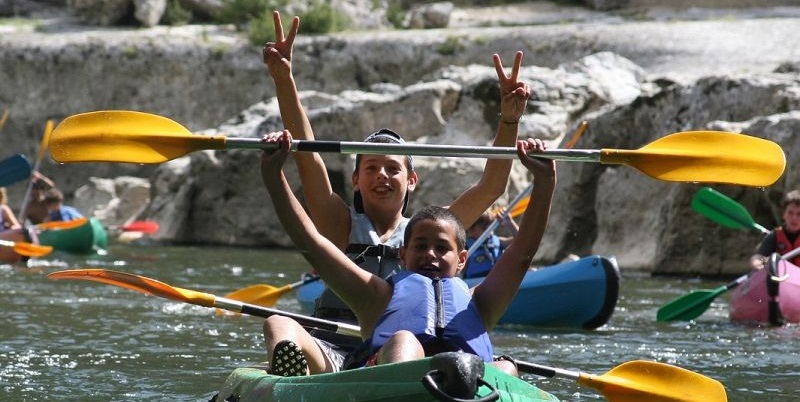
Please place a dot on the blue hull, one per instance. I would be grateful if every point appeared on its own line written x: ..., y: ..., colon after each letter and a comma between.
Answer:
x: 576, y: 294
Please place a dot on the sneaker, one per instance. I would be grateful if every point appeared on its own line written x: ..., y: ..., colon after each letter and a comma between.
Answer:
x: 288, y: 360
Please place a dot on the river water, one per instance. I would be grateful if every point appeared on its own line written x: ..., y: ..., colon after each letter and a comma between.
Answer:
x: 86, y: 341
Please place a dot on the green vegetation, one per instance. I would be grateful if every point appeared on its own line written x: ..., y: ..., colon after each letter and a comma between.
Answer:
x: 242, y: 12
x: 320, y: 17
x: 451, y: 46
x: 176, y: 14
x: 254, y: 18
x: 395, y: 14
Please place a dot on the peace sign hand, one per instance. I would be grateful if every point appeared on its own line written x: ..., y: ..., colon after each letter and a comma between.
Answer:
x: 278, y: 55
x: 513, y: 93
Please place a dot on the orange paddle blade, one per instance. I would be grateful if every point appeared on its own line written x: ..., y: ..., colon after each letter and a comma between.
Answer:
x: 138, y: 283
x: 27, y: 249
x: 32, y: 250
x: 62, y: 225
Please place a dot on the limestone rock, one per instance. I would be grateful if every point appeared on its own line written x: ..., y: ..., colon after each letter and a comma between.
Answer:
x: 100, y: 12
x: 429, y: 16
x: 149, y: 12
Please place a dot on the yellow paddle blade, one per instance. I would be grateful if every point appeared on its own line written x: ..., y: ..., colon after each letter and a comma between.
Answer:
x: 62, y: 225
x: 125, y: 136
x: 705, y: 157
x: 138, y: 283
x: 640, y: 380
x: 261, y: 295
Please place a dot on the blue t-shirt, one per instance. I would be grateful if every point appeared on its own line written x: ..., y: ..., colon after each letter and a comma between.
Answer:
x: 65, y: 213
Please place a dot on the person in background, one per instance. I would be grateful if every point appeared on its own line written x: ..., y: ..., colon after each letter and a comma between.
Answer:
x: 36, y: 210
x: 401, y: 317
x: 10, y: 230
x: 56, y: 210
x: 486, y: 255
x: 784, y: 238
x: 8, y: 220
x: 371, y: 230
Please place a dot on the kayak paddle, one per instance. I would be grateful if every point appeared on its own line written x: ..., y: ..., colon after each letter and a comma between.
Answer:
x: 723, y: 210
x: 156, y: 288
x: 27, y: 249
x: 4, y: 118
x: 632, y: 381
x: 48, y: 130
x: 13, y: 169
x: 694, y: 304
x: 148, y: 227
x: 141, y: 226
x: 495, y: 223
x: 641, y: 380
x: 519, y: 204
x: 691, y: 156
x: 266, y: 295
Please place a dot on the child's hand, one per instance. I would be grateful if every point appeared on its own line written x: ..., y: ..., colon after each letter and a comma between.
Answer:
x: 272, y: 160
x: 278, y: 55
x: 513, y: 94
x: 542, y: 169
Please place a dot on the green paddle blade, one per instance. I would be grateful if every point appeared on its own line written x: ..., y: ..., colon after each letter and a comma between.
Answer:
x: 723, y: 210
x: 690, y: 306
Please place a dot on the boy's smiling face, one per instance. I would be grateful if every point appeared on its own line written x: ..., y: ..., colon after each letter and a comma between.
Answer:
x: 383, y: 180
x: 432, y: 250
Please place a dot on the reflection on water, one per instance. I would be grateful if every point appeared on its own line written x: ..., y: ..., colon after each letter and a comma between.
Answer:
x: 84, y: 341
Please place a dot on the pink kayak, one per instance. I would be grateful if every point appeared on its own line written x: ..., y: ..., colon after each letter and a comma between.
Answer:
x: 769, y: 296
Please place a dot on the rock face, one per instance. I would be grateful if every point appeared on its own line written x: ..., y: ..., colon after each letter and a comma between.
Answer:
x: 632, y: 83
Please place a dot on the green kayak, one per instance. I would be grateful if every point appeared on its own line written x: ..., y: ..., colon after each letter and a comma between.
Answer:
x: 444, y: 377
x: 83, y: 239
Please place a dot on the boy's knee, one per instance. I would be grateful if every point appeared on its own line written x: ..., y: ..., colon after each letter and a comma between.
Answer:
x: 276, y: 323
x: 404, y: 335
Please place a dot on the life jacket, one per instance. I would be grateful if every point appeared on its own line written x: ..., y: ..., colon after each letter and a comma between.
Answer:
x: 444, y: 315
x: 783, y: 245
x: 366, y: 250
x: 484, y: 257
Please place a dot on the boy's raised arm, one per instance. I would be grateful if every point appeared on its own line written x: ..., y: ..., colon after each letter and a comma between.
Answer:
x: 329, y: 211
x: 492, y: 184
x: 357, y: 287
x: 495, y: 293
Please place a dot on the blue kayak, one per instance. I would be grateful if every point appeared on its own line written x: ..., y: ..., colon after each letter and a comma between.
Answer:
x: 575, y: 294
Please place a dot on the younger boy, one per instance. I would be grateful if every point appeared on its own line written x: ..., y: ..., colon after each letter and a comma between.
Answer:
x: 433, y: 253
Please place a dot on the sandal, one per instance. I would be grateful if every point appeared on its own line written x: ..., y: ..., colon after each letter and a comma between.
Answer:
x: 288, y: 360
